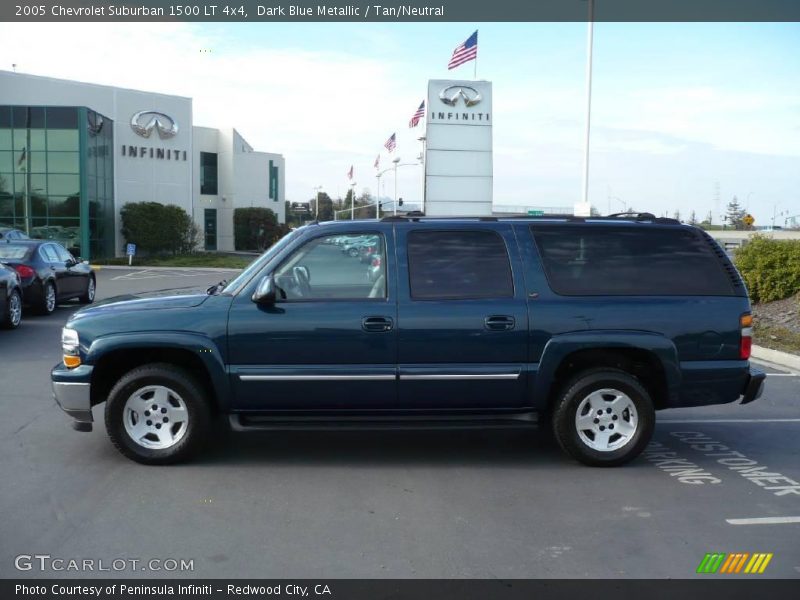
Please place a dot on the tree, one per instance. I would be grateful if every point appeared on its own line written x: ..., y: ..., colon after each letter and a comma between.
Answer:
x: 734, y: 214
x: 256, y: 228
x: 693, y: 218
x: 677, y: 215
x: 156, y: 227
x: 325, y: 207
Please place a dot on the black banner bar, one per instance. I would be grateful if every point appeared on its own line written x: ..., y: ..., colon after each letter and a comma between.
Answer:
x: 730, y: 588
x: 399, y: 11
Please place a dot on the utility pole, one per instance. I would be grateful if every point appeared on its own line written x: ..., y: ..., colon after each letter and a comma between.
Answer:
x: 589, y: 42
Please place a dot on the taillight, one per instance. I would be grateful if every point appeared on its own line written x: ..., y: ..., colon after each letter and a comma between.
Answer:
x: 746, y: 342
x: 24, y: 271
x: 376, y: 262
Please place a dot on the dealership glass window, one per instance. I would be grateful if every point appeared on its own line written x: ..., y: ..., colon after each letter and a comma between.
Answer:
x: 63, y: 185
x: 208, y: 173
x: 37, y: 162
x: 450, y: 265
x: 628, y: 261
x: 6, y: 160
x: 63, y: 162
x: 65, y: 206
x: 342, y: 267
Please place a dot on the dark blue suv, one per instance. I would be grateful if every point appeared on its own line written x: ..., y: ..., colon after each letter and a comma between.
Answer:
x: 588, y: 324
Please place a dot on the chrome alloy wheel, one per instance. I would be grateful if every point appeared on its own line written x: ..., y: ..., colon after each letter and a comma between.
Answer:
x: 90, y: 289
x: 15, y: 309
x: 606, y: 420
x: 50, y: 298
x: 155, y: 417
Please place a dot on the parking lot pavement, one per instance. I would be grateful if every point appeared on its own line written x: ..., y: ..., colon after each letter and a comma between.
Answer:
x: 405, y: 504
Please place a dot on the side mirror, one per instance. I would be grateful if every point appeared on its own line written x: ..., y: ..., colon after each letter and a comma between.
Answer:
x: 265, y: 292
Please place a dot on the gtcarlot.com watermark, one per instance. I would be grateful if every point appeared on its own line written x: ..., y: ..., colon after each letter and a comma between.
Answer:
x: 47, y: 563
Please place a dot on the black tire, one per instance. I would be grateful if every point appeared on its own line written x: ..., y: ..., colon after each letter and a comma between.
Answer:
x: 13, y: 313
x: 179, y: 382
x: 91, y: 290
x: 577, y: 444
x: 44, y: 307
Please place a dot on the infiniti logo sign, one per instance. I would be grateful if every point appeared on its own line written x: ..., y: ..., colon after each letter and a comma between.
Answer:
x: 450, y: 95
x: 144, y: 121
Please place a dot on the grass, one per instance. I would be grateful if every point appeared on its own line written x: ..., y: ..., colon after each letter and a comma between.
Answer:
x: 200, y: 259
x: 776, y: 338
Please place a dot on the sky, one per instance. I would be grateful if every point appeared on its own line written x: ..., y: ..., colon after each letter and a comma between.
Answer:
x: 684, y: 115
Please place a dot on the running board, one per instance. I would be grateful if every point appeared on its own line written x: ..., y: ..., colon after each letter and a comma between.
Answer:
x: 244, y: 422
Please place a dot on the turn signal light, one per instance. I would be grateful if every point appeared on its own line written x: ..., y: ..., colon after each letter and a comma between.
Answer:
x: 746, y: 342
x: 72, y: 361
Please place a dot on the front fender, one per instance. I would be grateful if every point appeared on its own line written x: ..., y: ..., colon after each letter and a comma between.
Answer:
x: 562, y: 345
x: 205, y: 348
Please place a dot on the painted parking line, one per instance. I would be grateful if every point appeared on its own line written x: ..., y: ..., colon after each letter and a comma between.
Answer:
x: 689, y: 421
x: 764, y: 521
x: 783, y: 374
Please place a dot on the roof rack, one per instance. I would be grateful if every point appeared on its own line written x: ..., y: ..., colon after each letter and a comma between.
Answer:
x: 638, y: 217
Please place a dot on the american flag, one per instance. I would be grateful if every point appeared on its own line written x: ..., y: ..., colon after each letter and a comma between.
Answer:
x: 350, y: 172
x: 391, y: 143
x: 417, y: 115
x: 465, y: 52
x: 22, y: 157
x: 377, y: 164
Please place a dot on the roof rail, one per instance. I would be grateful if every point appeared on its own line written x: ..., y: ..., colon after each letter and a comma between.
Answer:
x: 638, y: 217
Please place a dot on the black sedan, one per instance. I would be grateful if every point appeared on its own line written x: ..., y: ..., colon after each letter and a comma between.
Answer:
x: 48, y: 273
x: 10, y: 298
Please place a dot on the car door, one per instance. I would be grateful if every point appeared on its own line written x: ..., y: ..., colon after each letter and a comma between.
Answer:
x: 329, y: 341
x: 462, y: 317
x: 75, y: 279
x: 57, y: 268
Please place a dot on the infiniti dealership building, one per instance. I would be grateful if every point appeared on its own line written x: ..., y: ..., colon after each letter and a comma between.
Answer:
x: 73, y: 154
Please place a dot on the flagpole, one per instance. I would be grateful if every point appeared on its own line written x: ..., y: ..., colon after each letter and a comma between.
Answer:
x: 589, y: 41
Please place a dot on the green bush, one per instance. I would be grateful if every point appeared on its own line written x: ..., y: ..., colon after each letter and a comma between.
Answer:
x: 256, y: 228
x: 771, y: 268
x: 158, y: 228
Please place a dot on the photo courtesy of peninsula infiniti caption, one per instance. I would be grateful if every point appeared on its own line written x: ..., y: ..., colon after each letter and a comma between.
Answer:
x: 586, y: 325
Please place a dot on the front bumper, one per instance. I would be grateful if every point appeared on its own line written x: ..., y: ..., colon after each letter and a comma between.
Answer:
x: 754, y: 386
x: 72, y: 391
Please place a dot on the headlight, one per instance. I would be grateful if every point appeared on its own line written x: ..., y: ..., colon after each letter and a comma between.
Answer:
x: 70, y: 345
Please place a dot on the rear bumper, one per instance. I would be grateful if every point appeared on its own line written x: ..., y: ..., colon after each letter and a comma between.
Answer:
x: 755, y: 385
x: 72, y: 392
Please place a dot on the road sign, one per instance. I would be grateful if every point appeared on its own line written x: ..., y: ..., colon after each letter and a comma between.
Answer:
x: 748, y: 220
x: 130, y: 250
x: 535, y: 213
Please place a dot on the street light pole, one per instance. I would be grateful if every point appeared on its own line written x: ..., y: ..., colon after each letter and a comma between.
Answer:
x: 395, y: 161
x: 589, y: 42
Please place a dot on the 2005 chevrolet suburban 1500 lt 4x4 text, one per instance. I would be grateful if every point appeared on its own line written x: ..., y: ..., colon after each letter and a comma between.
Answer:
x: 591, y: 324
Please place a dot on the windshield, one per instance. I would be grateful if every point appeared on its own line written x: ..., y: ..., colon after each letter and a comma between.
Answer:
x: 254, y: 266
x: 12, y: 252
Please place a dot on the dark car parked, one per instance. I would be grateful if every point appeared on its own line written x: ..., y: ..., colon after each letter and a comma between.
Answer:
x: 8, y: 234
x: 10, y: 298
x: 48, y: 273
x: 588, y: 325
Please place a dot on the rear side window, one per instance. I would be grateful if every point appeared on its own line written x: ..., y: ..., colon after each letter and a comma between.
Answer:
x: 629, y: 261
x: 12, y: 252
x: 451, y: 265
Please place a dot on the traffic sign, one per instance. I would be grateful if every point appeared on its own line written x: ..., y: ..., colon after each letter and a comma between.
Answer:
x: 535, y: 213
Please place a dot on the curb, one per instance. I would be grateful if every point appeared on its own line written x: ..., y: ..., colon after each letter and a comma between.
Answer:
x: 146, y: 268
x: 784, y: 359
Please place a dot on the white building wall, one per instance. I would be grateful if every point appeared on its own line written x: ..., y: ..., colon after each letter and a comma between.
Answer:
x: 152, y: 172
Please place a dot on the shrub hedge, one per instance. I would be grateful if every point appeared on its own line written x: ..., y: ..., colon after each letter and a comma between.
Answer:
x: 158, y: 228
x: 256, y: 228
x: 771, y: 268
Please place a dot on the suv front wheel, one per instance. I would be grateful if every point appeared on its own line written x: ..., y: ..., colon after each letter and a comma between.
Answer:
x: 604, y: 417
x: 157, y: 414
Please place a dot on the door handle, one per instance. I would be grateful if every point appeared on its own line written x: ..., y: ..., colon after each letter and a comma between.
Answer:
x: 499, y: 323
x: 377, y: 324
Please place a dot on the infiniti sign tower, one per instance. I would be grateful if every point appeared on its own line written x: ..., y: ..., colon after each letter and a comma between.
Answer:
x: 458, y: 160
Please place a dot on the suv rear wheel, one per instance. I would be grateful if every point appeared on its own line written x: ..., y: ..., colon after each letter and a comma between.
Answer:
x: 157, y: 414
x: 604, y: 417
